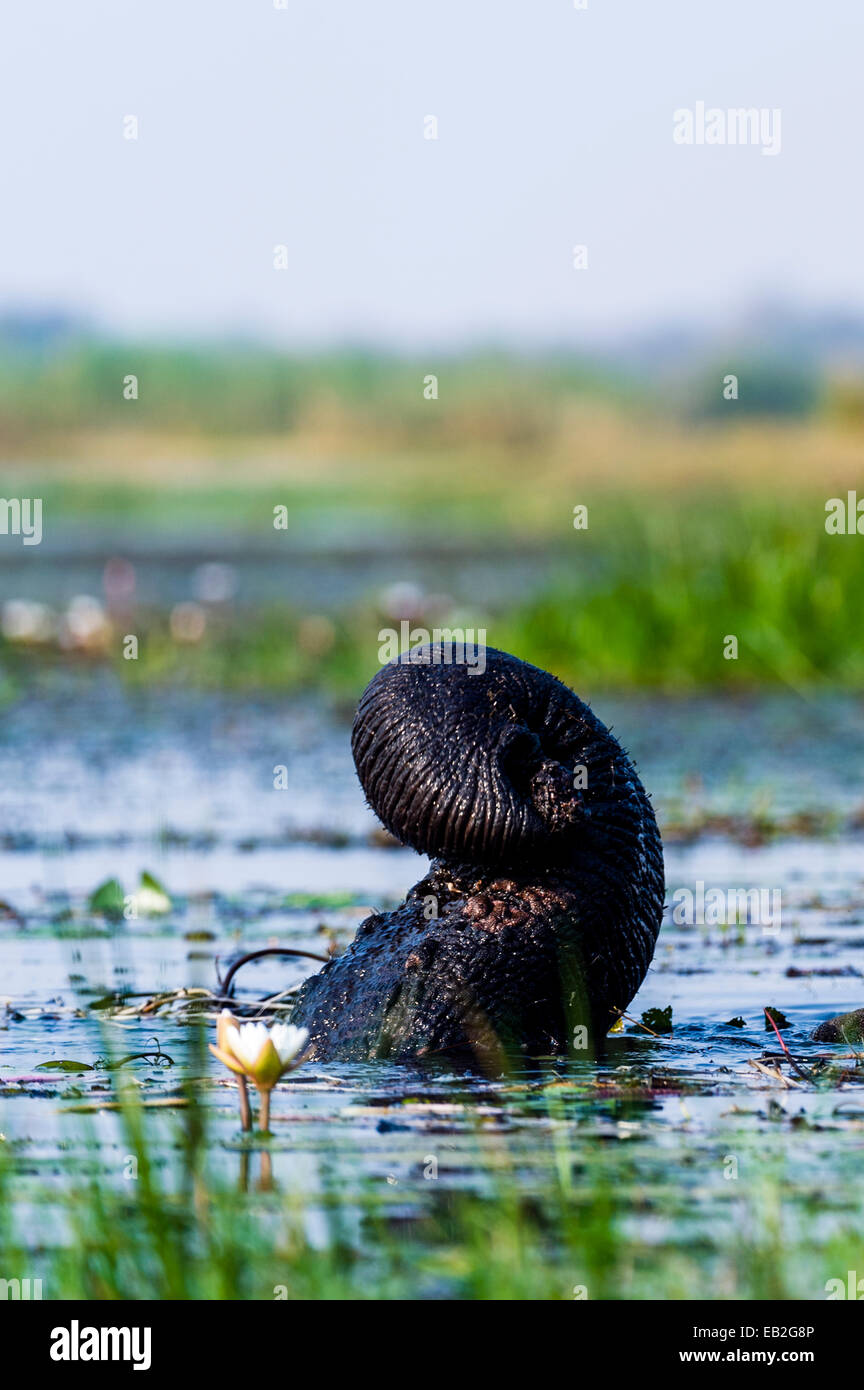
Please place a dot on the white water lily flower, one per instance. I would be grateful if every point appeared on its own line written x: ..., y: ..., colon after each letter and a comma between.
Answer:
x: 254, y: 1050
x: 288, y: 1041
x: 150, y: 902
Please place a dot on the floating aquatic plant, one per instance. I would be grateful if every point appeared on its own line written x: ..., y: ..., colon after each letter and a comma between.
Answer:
x: 111, y: 900
x: 151, y: 899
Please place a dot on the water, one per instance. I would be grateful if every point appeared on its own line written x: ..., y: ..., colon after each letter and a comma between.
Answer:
x: 98, y: 783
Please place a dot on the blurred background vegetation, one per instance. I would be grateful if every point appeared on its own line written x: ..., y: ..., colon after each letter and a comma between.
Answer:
x: 706, y: 515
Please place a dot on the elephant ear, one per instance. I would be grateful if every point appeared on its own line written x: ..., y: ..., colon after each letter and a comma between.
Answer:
x: 489, y: 763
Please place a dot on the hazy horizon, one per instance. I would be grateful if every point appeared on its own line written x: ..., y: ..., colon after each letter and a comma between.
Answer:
x: 304, y: 128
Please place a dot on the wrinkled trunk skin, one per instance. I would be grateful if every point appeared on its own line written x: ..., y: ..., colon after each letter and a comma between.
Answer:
x: 537, y: 921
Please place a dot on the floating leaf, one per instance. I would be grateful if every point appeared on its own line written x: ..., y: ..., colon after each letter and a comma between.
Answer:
x: 108, y: 898
x: 319, y: 901
x: 107, y: 1001
x: 65, y: 1065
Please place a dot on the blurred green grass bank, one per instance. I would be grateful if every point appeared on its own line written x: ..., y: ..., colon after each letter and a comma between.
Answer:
x: 256, y: 519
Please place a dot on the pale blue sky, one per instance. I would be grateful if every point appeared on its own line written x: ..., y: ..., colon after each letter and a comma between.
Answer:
x: 304, y: 126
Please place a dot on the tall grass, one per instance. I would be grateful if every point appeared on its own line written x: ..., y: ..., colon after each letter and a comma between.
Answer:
x: 647, y: 597
x: 182, y: 1230
x: 655, y: 601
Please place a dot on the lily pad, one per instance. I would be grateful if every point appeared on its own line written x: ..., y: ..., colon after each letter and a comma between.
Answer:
x: 65, y: 1065
x: 319, y: 901
x: 108, y: 899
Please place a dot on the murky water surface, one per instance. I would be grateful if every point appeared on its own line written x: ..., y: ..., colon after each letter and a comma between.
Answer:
x: 758, y: 794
